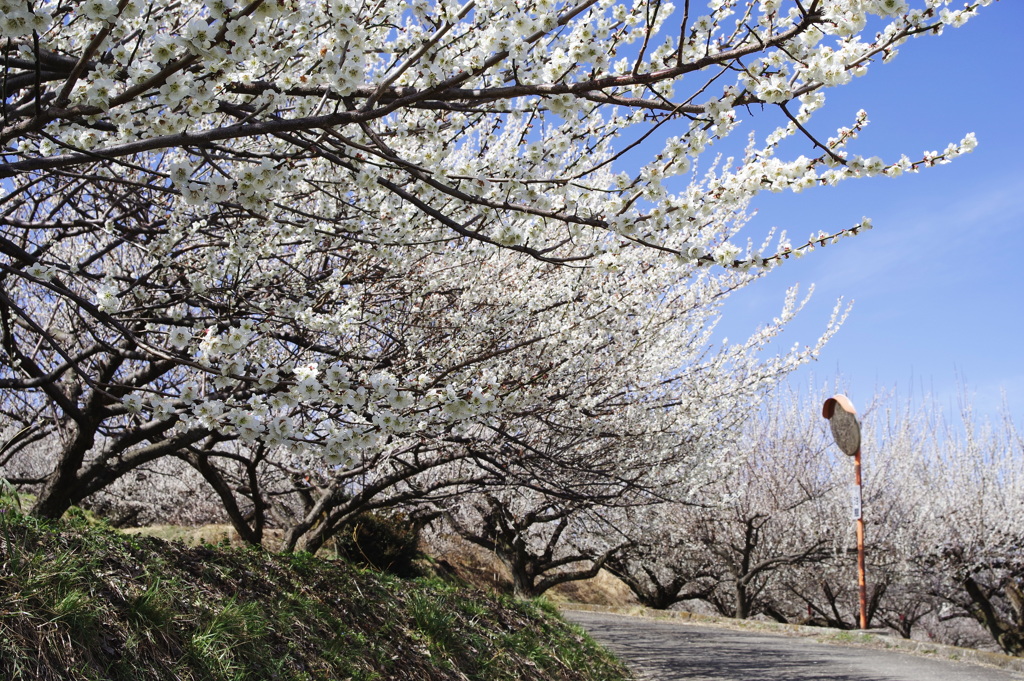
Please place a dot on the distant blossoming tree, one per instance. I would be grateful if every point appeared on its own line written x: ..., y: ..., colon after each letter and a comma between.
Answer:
x: 732, y: 535
x: 770, y: 532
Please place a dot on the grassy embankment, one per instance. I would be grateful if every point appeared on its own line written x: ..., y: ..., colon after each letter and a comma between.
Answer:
x: 81, y: 601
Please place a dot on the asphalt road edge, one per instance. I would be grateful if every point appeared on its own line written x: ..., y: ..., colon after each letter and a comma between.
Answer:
x: 844, y: 637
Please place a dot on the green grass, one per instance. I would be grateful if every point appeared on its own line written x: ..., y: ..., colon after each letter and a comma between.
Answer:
x: 79, y: 601
x: 851, y: 638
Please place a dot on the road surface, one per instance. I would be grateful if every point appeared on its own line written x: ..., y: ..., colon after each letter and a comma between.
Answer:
x: 660, y: 650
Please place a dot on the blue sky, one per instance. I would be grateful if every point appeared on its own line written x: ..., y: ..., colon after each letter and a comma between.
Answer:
x: 937, y: 285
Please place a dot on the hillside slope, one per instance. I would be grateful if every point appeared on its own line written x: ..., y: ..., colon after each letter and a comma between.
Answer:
x: 85, y: 602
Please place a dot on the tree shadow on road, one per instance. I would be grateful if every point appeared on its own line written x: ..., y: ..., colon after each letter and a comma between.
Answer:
x: 718, y: 656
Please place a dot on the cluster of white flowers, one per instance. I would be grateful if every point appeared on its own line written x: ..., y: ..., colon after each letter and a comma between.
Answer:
x: 18, y: 18
x: 41, y: 271
x: 229, y: 342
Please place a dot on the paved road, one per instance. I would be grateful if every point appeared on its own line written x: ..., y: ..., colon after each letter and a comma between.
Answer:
x: 671, y: 651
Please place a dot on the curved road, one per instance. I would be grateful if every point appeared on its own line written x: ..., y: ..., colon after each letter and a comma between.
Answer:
x: 660, y: 650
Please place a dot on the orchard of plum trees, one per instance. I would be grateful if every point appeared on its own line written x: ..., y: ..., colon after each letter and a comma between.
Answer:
x: 328, y: 256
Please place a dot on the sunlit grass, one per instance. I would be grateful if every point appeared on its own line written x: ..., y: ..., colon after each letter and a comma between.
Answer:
x: 79, y: 601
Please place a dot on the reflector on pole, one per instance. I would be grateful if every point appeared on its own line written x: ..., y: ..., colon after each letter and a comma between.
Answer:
x: 846, y: 431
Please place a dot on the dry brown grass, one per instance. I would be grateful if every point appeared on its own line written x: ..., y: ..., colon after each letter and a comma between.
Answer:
x: 605, y: 589
x: 483, y: 569
x: 448, y: 555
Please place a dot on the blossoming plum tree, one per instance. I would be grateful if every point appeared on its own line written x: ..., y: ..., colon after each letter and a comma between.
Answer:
x: 556, y: 504
x: 336, y: 229
x: 738, y: 529
x: 963, y: 496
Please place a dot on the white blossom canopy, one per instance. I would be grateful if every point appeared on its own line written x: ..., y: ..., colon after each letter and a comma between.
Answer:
x: 332, y: 223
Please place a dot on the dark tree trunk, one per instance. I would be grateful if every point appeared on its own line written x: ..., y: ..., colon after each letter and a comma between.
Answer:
x: 63, y: 488
x: 742, y: 601
x: 1009, y: 635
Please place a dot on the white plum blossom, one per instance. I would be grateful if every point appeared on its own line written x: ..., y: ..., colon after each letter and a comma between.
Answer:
x: 306, y: 372
x: 955, y: 18
x: 772, y: 88
x: 209, y: 413
x: 162, y: 408
x: 968, y: 144
x: 41, y: 271
x: 106, y: 297
x: 890, y: 7
x: 241, y: 29
x: 307, y: 390
x: 268, y: 378
x: 179, y: 336
x: 247, y: 423
x: 401, y: 400
x: 238, y: 338
x: 180, y: 173
x: 133, y: 402
x: 164, y: 49
x: 607, y: 262
x: 190, y: 392
x: 725, y: 254
x: 99, y: 10
x: 199, y: 34
x: 211, y: 344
